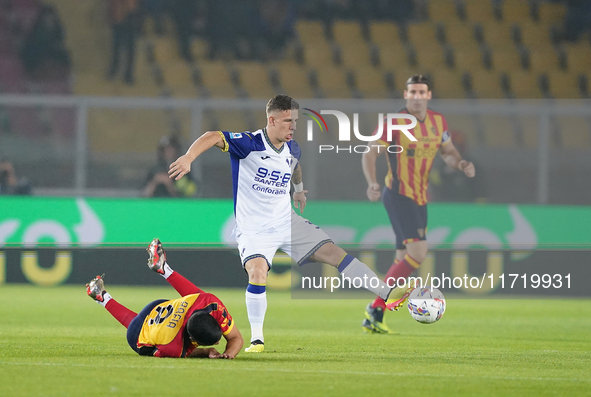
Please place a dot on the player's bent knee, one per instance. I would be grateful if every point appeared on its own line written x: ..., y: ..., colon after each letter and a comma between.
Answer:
x: 257, y: 270
x: 330, y: 254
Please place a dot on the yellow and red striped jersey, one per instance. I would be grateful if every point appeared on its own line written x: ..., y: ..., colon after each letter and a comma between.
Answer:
x: 408, y: 171
x: 164, y: 327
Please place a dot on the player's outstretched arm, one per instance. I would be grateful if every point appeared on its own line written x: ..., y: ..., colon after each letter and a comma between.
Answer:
x: 182, y: 165
x: 299, y: 195
x: 368, y: 164
x: 234, y: 343
x: 452, y: 157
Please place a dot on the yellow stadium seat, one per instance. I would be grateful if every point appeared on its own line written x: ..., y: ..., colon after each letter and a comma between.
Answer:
x: 318, y: 54
x: 422, y: 33
x: 497, y: 35
x: 144, y: 76
x: 93, y: 84
x: 578, y: 57
x: 356, y: 56
x: 135, y: 90
x: 516, y: 11
x: 551, y: 13
x: 371, y: 84
x: 525, y: 85
x: 487, y: 84
x: 535, y: 35
x: 430, y: 57
x: 179, y: 77
x: 575, y: 132
x: 166, y: 50
x: 199, y: 48
x: 254, y: 78
x: 216, y: 78
x: 385, y: 34
x: 393, y: 58
x: 310, y: 31
x: 506, y: 60
x: 346, y: 32
x: 354, y: 49
x: 125, y: 130
x: 447, y: 84
x: 393, y: 53
x: 544, y: 61
x: 468, y: 60
x: 479, y: 10
x: 333, y: 82
x: 564, y: 85
x: 294, y: 79
x: 499, y: 131
x: 443, y: 11
x: 460, y: 35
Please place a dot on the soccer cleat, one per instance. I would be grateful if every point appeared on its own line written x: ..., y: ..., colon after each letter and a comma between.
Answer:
x: 375, y: 316
x: 256, y: 346
x: 367, y: 327
x: 157, y: 256
x: 397, y: 298
x: 96, y: 288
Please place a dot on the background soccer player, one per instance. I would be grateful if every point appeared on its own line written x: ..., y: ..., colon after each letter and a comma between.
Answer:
x: 405, y: 193
x: 262, y: 166
x: 173, y: 328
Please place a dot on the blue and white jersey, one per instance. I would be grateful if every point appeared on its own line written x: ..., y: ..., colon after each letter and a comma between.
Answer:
x: 261, y: 176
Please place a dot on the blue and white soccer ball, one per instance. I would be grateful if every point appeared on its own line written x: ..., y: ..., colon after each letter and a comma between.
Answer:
x: 426, y: 304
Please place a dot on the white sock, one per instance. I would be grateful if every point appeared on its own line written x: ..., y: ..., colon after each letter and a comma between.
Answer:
x: 256, y: 306
x: 106, y: 298
x: 358, y: 269
x: 167, y: 270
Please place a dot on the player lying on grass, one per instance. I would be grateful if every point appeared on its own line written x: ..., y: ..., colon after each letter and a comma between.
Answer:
x: 173, y: 328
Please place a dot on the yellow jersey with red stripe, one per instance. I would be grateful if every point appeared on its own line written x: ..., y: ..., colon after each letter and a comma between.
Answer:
x: 164, y: 327
x: 408, y: 171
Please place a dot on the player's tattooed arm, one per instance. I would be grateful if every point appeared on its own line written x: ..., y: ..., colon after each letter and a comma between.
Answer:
x: 296, y: 177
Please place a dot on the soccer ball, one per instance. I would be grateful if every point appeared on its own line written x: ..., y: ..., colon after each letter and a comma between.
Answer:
x: 426, y: 304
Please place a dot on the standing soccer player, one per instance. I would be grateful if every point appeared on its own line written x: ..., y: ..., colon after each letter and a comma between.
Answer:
x: 405, y: 193
x: 264, y: 163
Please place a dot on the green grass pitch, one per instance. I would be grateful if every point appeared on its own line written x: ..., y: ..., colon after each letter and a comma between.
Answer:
x: 57, y: 342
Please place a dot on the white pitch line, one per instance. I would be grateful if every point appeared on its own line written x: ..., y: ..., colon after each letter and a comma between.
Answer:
x: 315, y: 372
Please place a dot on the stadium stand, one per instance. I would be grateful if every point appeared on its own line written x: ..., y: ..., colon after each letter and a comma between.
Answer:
x: 551, y: 13
x: 353, y: 48
x: 293, y: 79
x: 525, y: 84
x: 477, y: 11
x: 371, y: 83
x: 443, y: 11
x: 332, y: 82
x: 472, y: 49
x: 487, y: 84
x: 447, y: 84
x: 516, y: 11
x: 254, y: 79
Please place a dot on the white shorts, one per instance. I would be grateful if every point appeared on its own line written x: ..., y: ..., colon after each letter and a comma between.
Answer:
x: 298, y: 239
